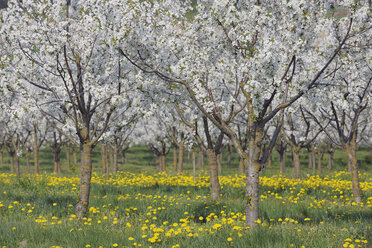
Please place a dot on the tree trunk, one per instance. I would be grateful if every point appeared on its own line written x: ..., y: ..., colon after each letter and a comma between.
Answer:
x: 18, y: 170
x: 320, y: 159
x: 193, y: 166
x: 110, y: 154
x: 269, y: 160
x: 12, y: 156
x: 228, y: 162
x: 1, y: 158
x: 313, y: 160
x: 158, y: 162
x: 201, y: 159
x: 85, y: 177
x: 36, y: 151
x: 353, y: 162
x: 104, y: 158
x: 28, y: 161
x: 123, y: 157
x: 330, y: 159
x: 310, y: 161
x: 251, y: 190
x: 115, y: 158
x: 296, y: 163
x: 74, y: 155
x: 180, y: 158
x: 68, y: 158
x: 219, y: 163
x: 57, y: 160
x: 163, y: 166
x: 282, y: 159
x: 241, y: 166
x: 175, y: 159
x: 213, y: 169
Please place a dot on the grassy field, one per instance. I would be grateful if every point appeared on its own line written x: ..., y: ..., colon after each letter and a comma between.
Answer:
x: 139, y: 207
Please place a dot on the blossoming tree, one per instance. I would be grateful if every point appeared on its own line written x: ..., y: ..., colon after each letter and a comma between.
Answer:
x: 264, y: 54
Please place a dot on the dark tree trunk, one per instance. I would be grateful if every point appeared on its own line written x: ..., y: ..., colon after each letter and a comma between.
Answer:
x: 12, y: 161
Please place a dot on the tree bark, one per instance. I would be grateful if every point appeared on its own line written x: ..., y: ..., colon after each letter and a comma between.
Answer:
x: 12, y: 158
x: 353, y: 162
x: 241, y: 166
x: 219, y: 163
x: 214, y: 181
x: 282, y: 159
x: 36, y: 151
x: 123, y: 157
x: 28, y: 161
x: 104, y: 158
x: 269, y: 160
x: 115, y: 158
x: 85, y: 177
x: 201, y: 159
x: 313, y: 160
x: 296, y: 162
x: 193, y: 166
x: 251, y: 190
x: 68, y: 157
x: 310, y: 161
x: 18, y: 170
x: 228, y: 162
x: 330, y: 159
x: 175, y: 159
x: 1, y: 158
x: 163, y: 166
x: 110, y: 154
x: 74, y: 155
x: 57, y: 160
x: 320, y: 159
x: 180, y: 158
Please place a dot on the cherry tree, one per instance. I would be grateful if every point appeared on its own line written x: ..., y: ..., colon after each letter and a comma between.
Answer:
x: 299, y: 132
x: 64, y: 50
x: 265, y: 54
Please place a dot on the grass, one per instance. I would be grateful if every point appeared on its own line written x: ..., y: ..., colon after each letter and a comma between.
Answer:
x: 140, y: 208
